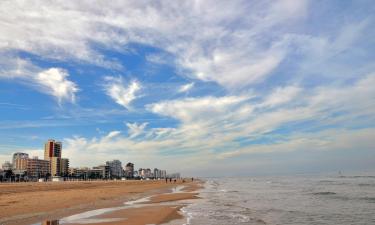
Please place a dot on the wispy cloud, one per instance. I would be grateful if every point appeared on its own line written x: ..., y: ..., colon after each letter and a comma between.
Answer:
x: 186, y: 87
x: 216, y: 128
x: 52, y: 81
x: 121, y: 93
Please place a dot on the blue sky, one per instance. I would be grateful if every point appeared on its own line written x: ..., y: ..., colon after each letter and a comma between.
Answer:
x: 201, y: 87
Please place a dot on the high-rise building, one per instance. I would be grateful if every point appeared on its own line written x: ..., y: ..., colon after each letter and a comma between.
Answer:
x: 64, y: 167
x: 20, y: 160
x: 115, y: 167
x: 52, y: 153
x: 37, y: 168
x: 129, y: 170
x: 156, y: 173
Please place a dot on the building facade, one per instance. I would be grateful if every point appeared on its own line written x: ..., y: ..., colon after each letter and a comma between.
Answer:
x: 7, y: 165
x: 64, y: 167
x: 129, y: 170
x: 20, y: 161
x: 115, y: 167
x: 104, y: 171
x: 37, y: 168
x: 52, y: 153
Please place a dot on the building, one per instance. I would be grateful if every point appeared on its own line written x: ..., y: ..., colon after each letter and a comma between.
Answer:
x: 160, y: 174
x: 129, y: 170
x: 156, y: 173
x: 104, y: 171
x: 115, y: 167
x: 7, y: 166
x: 163, y: 174
x: 64, y: 167
x: 20, y: 160
x: 148, y: 173
x: 52, y: 153
x: 37, y: 168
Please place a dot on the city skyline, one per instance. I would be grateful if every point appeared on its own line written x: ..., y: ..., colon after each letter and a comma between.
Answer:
x: 26, y: 168
x: 202, y: 87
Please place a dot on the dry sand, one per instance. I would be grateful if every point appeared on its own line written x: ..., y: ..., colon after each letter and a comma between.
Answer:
x: 26, y: 203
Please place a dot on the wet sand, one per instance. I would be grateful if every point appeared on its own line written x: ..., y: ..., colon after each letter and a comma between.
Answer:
x: 27, y: 203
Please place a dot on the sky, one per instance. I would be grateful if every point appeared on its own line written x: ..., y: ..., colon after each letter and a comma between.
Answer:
x: 206, y: 88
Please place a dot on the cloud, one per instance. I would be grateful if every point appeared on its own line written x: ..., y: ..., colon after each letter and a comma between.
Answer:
x: 54, y: 82
x: 135, y: 129
x: 186, y: 87
x: 123, y: 95
x: 210, y: 40
x: 191, y: 109
x: 51, y: 81
x: 281, y: 95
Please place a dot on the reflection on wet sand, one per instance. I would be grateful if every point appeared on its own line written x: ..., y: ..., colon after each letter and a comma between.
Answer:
x: 166, y: 204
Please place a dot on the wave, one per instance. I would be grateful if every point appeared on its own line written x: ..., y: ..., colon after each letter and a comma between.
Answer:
x: 366, y: 185
x: 369, y: 199
x: 324, y: 193
x: 356, y: 176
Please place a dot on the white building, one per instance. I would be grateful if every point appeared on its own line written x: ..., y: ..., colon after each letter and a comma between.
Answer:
x: 115, y: 166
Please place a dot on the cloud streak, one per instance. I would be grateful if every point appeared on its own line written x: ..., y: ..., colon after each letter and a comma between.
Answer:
x: 120, y: 93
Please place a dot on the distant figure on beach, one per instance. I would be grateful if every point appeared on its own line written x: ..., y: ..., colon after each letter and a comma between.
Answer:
x: 166, y: 180
x: 170, y: 180
x: 174, y: 180
x: 192, y: 179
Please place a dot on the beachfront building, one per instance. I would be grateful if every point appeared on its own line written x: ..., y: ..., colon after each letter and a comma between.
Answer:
x: 129, y: 170
x: 145, y: 173
x: 97, y: 172
x: 156, y: 173
x: 37, y: 168
x: 103, y: 171
x: 163, y: 174
x: 7, y: 166
x: 64, y: 167
x: 115, y: 168
x: 20, y: 160
x: 160, y: 174
x: 52, y: 153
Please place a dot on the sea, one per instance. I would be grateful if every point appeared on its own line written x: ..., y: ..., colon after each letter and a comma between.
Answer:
x: 316, y: 199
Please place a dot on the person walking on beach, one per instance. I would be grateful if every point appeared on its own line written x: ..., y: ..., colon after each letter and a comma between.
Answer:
x: 166, y: 180
x: 192, y: 179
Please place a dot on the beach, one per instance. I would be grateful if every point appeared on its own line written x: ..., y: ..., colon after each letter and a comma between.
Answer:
x: 33, y: 203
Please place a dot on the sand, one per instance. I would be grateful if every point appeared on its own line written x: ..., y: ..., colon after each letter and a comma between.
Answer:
x: 26, y: 203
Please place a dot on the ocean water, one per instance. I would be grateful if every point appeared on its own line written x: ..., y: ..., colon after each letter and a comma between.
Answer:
x: 285, y: 200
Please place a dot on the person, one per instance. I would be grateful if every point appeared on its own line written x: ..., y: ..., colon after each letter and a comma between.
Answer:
x: 170, y: 180
x: 192, y: 179
x: 174, y: 180
x: 166, y: 180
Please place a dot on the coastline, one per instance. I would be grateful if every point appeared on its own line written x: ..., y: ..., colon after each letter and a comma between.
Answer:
x: 31, y: 203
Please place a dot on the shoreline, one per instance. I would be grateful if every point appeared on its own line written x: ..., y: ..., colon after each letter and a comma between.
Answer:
x: 31, y: 203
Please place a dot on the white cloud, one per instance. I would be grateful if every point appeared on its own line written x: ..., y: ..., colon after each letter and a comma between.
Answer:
x: 214, y: 128
x: 214, y: 40
x: 281, y: 95
x: 54, y: 82
x: 194, y: 109
x: 135, y: 129
x: 186, y: 87
x: 123, y: 95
